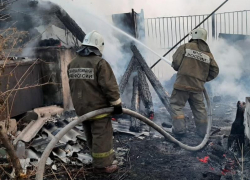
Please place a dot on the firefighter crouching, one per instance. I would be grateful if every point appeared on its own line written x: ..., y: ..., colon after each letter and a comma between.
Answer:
x: 196, y: 66
x: 93, y: 86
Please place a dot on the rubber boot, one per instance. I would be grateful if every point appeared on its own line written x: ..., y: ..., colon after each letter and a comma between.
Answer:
x: 179, y: 126
x: 201, y: 129
x: 108, y: 170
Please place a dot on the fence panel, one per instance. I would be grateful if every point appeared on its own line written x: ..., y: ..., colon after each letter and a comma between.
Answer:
x: 162, y: 33
x: 165, y: 32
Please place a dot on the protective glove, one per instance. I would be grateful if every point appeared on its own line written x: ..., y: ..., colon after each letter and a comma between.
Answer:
x: 117, y: 109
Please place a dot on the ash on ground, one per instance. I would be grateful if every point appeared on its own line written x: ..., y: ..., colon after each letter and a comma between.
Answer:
x: 154, y: 158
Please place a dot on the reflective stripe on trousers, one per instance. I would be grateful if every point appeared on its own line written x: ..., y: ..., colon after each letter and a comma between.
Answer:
x: 103, y: 155
x: 99, y: 134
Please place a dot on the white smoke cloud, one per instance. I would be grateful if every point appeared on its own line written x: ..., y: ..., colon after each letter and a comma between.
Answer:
x: 94, y: 14
x: 233, y: 63
x: 159, y: 8
x: 89, y: 19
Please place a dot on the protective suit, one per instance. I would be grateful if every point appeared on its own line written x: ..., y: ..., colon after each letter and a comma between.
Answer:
x: 196, y: 66
x: 93, y: 86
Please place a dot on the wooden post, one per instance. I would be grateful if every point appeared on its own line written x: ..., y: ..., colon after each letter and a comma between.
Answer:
x: 161, y: 92
x: 69, y: 23
x: 134, y: 23
x: 135, y: 105
x: 145, y: 93
x: 127, y: 74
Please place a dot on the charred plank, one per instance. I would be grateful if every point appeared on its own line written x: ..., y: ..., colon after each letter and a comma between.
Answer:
x: 68, y: 22
x: 146, y: 96
x: 127, y: 74
x: 135, y: 105
x: 236, y: 138
x: 152, y: 78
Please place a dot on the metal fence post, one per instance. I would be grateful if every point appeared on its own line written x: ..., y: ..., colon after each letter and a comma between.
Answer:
x: 134, y: 23
x: 213, y: 26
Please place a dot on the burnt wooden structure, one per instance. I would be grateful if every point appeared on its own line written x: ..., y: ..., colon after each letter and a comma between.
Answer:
x: 126, y: 75
x: 69, y: 23
x: 133, y: 24
x: 27, y: 17
x: 141, y: 92
x: 20, y: 74
x: 53, y: 61
x: 135, y: 105
x: 43, y: 78
x: 161, y: 92
x: 146, y: 96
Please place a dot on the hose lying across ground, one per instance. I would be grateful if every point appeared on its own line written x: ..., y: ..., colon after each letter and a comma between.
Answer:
x: 55, y: 139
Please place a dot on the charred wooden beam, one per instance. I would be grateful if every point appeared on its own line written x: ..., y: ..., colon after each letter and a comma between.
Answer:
x: 135, y: 105
x: 68, y: 22
x: 145, y: 93
x: 236, y: 138
x: 152, y: 78
x: 127, y: 74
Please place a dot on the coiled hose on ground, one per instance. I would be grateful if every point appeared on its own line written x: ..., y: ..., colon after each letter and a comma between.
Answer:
x: 55, y: 139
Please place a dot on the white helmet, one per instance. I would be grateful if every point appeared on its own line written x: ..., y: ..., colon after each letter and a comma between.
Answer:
x: 199, y: 33
x: 94, y: 39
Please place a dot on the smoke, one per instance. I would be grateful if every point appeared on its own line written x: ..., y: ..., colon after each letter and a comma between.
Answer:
x: 161, y: 8
x: 89, y: 19
x: 233, y: 61
x: 91, y: 14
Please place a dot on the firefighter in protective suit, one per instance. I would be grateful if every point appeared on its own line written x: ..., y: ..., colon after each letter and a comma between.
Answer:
x: 93, y: 86
x: 196, y: 66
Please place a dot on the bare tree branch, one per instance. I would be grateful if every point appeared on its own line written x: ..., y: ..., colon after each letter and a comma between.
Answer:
x: 28, y: 87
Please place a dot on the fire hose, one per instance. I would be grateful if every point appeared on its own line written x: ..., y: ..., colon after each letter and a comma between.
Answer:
x: 61, y: 133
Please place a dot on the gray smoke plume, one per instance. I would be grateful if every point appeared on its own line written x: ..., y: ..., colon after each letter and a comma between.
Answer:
x: 159, y: 8
x: 88, y: 19
x: 231, y: 59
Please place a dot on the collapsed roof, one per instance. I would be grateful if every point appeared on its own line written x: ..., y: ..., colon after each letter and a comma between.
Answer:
x: 34, y: 16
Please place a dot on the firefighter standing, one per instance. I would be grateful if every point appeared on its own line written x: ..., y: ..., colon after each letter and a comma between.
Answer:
x: 93, y: 86
x: 196, y: 66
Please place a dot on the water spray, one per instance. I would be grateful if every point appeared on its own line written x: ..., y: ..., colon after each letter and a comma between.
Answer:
x: 145, y: 46
x: 134, y: 39
x: 139, y: 42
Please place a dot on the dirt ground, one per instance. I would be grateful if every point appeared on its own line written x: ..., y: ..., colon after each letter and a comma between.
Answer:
x: 154, y: 158
x: 157, y: 159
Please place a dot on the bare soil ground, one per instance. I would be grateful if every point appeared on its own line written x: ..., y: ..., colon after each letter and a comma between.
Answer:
x: 154, y: 158
x: 157, y: 159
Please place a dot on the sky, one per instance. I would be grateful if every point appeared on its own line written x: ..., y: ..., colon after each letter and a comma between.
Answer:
x: 159, y: 8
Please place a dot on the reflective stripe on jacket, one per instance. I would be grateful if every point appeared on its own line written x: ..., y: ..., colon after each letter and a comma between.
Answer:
x: 194, y: 66
x: 92, y: 84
